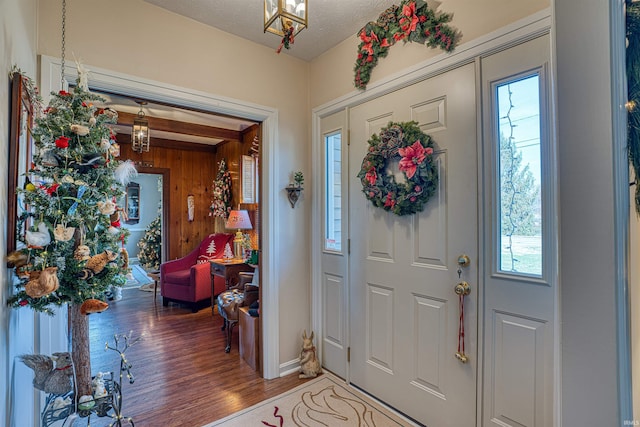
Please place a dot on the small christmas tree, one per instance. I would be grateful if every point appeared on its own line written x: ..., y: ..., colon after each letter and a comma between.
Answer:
x: 221, y: 206
x: 150, y: 246
x: 228, y: 253
x: 71, y: 246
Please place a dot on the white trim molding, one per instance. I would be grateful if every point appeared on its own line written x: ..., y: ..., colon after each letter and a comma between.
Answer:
x: 134, y: 86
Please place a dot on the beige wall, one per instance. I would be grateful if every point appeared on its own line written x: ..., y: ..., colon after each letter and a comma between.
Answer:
x: 331, y: 74
x: 137, y: 38
x: 17, y: 46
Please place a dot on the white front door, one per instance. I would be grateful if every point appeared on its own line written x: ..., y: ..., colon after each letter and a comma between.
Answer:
x: 404, y: 313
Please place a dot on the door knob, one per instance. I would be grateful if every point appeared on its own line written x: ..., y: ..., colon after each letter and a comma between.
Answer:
x: 462, y: 289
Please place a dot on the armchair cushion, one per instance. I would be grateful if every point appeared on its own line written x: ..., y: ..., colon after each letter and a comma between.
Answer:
x: 180, y: 277
x: 212, y: 247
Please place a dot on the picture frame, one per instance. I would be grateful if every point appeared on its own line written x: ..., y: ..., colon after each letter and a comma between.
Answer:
x: 21, y: 146
x: 248, y: 190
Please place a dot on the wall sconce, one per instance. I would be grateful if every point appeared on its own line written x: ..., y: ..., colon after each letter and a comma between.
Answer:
x: 140, y: 132
x: 293, y: 194
x: 295, y: 188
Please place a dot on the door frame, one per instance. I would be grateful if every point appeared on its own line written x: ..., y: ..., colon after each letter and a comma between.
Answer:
x: 116, y: 82
x: 166, y: 194
x: 518, y: 32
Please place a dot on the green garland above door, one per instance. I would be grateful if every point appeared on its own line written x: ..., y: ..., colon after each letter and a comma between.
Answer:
x: 411, y: 21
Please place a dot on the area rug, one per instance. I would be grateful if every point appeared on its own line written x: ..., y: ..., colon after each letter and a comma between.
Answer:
x: 323, y: 401
x: 137, y: 278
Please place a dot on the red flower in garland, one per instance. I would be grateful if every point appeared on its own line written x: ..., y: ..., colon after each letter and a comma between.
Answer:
x: 64, y: 93
x: 368, y: 41
x: 23, y: 302
x: 62, y: 142
x: 410, y: 19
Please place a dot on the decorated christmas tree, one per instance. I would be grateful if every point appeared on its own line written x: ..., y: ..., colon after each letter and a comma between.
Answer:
x: 150, y: 246
x: 221, y: 206
x: 72, y: 244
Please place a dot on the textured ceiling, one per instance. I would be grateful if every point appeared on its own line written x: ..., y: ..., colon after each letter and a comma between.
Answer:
x: 330, y: 21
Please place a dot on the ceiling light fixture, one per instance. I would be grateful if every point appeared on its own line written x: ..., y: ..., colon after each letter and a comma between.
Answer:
x: 285, y: 18
x: 140, y: 132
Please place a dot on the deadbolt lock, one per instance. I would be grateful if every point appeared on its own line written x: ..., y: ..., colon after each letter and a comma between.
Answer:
x: 463, y: 261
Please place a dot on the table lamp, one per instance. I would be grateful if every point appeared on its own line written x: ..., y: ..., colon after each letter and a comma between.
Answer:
x: 239, y: 220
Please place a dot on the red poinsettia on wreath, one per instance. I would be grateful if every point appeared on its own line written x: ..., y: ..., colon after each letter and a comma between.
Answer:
x: 411, y: 21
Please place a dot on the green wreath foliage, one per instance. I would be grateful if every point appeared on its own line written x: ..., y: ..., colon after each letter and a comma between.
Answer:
x: 411, y: 21
x: 413, y: 149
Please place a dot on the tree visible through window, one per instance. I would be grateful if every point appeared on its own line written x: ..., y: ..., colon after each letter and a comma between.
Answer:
x: 520, y: 176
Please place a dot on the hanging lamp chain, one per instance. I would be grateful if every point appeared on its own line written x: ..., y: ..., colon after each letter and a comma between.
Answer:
x: 64, y: 19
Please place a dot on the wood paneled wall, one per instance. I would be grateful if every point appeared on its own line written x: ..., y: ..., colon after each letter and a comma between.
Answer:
x: 191, y: 170
x: 232, y: 152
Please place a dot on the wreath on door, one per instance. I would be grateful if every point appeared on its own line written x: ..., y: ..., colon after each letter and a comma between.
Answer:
x: 405, y: 143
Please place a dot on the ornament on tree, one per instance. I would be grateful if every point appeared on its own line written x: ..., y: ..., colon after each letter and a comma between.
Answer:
x: 228, y: 253
x: 221, y: 206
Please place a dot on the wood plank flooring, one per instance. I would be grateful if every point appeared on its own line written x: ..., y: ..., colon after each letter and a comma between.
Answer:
x: 183, y: 377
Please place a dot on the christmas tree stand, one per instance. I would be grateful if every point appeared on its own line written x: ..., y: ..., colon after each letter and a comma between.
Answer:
x: 107, y: 403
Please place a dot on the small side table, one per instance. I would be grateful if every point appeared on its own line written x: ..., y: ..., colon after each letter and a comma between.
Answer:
x: 228, y: 269
x: 155, y: 276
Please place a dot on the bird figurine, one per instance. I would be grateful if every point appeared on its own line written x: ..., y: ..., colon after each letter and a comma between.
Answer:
x: 39, y: 238
x: 29, y: 186
x: 107, y: 207
x: 63, y: 234
x: 52, y: 373
x: 42, y: 283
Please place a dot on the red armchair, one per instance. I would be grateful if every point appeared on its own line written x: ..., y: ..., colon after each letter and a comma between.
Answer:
x: 188, y: 279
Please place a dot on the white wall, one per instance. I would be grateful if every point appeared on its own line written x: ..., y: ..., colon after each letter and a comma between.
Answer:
x: 17, y: 46
x: 587, y: 239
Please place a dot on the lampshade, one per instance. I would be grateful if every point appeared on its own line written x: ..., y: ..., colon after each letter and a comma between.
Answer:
x: 239, y: 220
x: 140, y: 132
x: 279, y: 14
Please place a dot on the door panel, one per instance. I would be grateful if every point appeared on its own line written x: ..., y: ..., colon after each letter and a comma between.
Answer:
x: 404, y: 312
x: 519, y: 313
x: 334, y: 334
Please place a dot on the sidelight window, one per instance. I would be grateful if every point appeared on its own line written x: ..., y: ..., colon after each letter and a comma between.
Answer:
x: 333, y: 191
x: 519, y: 157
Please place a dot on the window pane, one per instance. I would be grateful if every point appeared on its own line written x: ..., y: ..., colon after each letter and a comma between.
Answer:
x: 520, y: 176
x: 333, y: 191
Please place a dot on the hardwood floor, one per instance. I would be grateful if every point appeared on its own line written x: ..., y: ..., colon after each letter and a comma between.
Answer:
x: 183, y: 377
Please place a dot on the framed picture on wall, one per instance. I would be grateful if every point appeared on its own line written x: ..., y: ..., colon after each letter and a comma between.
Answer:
x: 20, y: 155
x: 248, y: 194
